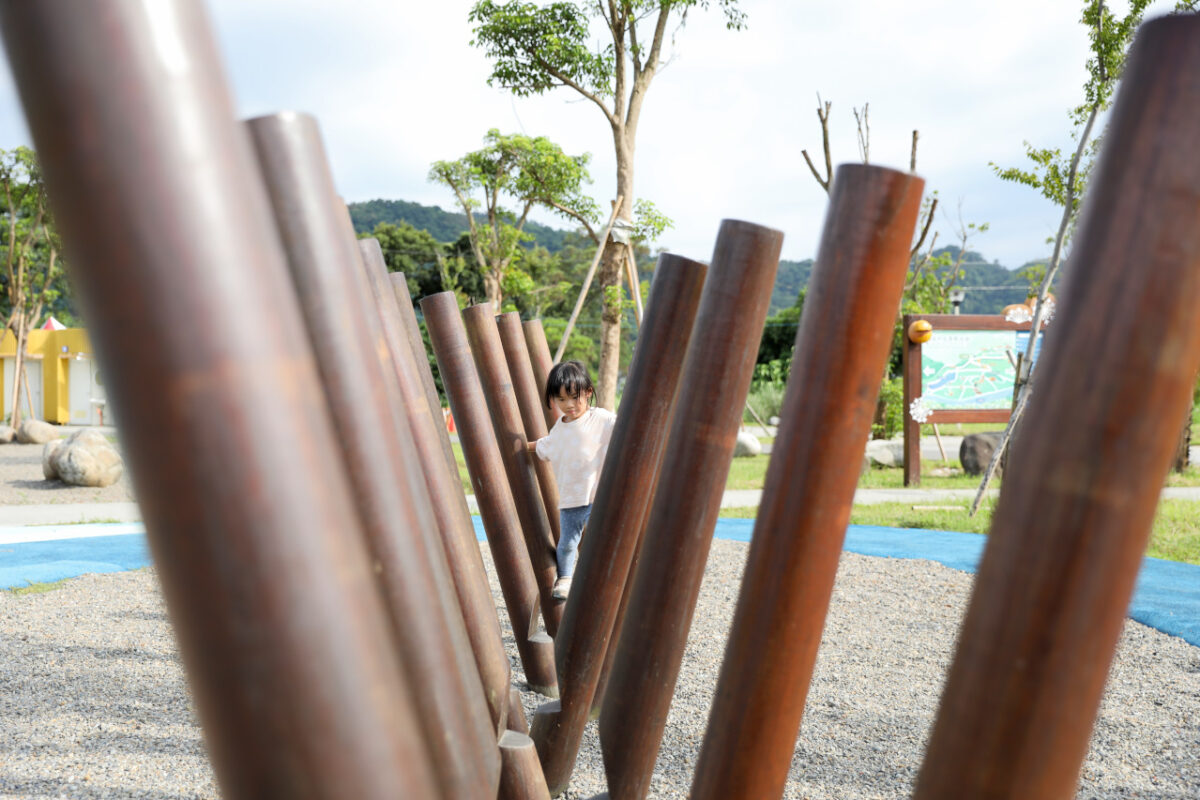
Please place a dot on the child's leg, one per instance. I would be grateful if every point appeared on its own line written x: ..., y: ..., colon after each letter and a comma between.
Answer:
x: 571, y: 522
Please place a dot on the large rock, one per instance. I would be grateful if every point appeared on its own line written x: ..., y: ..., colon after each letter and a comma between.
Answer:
x: 34, y: 431
x: 976, y: 450
x: 885, y: 453
x: 86, y: 458
x: 7, y: 434
x: 48, y: 468
x: 747, y: 445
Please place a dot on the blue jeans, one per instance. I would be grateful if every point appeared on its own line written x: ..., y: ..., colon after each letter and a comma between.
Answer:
x: 570, y: 531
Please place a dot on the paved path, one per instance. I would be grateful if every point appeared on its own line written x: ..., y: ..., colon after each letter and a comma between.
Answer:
x: 74, y: 513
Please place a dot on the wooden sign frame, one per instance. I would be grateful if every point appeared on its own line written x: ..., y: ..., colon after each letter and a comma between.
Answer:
x: 912, y: 382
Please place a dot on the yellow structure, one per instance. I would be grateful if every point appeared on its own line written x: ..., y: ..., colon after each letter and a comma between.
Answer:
x: 64, y: 384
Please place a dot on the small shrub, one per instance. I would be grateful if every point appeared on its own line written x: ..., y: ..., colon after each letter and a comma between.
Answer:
x: 891, y: 396
x: 767, y: 401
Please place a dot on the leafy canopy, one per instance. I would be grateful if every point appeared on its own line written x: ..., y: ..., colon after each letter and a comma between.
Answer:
x: 536, y: 47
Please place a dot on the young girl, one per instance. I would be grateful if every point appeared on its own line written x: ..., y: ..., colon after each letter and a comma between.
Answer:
x: 575, y: 448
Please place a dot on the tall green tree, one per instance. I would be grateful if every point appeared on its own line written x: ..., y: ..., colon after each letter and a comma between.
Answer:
x: 33, y: 275
x: 536, y: 47
x: 520, y: 170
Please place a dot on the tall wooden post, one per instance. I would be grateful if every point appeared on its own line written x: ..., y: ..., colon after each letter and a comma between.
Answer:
x: 733, y: 308
x: 500, y: 520
x: 510, y: 436
x: 1085, y: 475
x: 248, y: 512
x: 618, y: 513
x: 841, y: 350
x: 378, y: 453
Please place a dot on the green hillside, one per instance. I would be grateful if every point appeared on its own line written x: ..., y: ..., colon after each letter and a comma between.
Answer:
x: 445, y: 226
x: 988, y: 286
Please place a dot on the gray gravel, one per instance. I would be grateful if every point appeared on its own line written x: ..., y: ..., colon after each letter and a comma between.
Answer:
x: 93, y: 703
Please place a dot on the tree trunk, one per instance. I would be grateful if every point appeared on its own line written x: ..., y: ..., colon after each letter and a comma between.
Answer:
x: 1182, y: 452
x: 610, y: 275
x: 610, y: 327
x: 18, y: 372
x: 491, y: 285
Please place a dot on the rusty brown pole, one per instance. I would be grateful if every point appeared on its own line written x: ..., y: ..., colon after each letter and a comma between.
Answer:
x: 223, y: 420
x: 1086, y: 470
x: 496, y: 506
x: 450, y: 512
x: 523, y: 779
x: 530, y: 401
x: 412, y: 333
x: 379, y: 454
x: 619, y: 512
x: 712, y: 392
x: 542, y: 361
x: 841, y: 350
x: 518, y: 464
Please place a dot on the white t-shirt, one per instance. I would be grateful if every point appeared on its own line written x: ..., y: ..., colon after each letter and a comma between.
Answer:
x: 576, y: 452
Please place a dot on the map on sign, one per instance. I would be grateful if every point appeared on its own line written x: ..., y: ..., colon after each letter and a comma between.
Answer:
x: 970, y: 369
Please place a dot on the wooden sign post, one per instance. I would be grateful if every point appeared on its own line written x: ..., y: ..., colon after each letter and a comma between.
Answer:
x: 964, y: 373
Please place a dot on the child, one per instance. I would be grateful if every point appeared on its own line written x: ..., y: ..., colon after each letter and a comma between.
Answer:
x: 575, y: 448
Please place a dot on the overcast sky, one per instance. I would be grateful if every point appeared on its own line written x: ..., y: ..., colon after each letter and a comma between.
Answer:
x: 396, y: 85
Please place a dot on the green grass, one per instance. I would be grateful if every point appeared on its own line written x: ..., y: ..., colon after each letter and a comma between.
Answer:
x: 1174, y: 536
x: 747, y: 473
x: 463, y: 475
x: 38, y: 588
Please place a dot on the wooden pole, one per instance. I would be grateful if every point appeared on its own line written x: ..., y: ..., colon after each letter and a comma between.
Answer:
x: 619, y: 513
x: 539, y: 356
x: 841, y: 349
x: 482, y: 454
x: 529, y: 401
x: 488, y: 352
x: 378, y: 453
x: 587, y: 281
x: 635, y: 286
x: 248, y: 511
x: 729, y: 324
x: 1084, y: 480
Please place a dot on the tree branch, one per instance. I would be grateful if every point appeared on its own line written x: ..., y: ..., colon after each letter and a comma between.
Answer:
x: 925, y: 229
x: 912, y: 162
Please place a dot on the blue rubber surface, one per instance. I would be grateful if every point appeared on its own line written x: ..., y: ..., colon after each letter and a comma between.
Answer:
x: 1167, y: 596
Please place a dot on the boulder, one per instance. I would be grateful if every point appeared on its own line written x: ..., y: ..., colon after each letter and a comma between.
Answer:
x: 7, y: 434
x: 34, y: 431
x: 87, y: 458
x: 48, y: 468
x: 885, y: 453
x: 747, y: 445
x: 975, y: 452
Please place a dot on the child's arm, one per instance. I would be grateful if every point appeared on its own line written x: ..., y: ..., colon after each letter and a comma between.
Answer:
x: 531, y: 446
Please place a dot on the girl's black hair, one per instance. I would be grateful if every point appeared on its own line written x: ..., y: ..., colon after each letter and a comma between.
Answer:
x: 571, y: 376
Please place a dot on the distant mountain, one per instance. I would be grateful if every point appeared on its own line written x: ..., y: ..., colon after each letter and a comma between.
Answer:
x: 445, y: 226
x: 988, y: 286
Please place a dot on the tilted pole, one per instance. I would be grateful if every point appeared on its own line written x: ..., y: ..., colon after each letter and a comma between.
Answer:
x: 729, y: 324
x: 619, y: 513
x: 1086, y: 471
x: 841, y: 349
x: 224, y: 423
x: 492, y: 492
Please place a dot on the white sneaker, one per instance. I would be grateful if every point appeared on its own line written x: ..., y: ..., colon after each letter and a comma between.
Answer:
x: 561, y: 587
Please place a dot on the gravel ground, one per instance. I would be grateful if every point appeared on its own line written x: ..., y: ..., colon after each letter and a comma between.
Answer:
x: 22, y: 483
x: 94, y: 703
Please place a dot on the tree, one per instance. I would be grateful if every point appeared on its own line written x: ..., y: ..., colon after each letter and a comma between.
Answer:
x: 1064, y: 182
x: 528, y: 171
x: 33, y: 272
x: 535, y: 48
